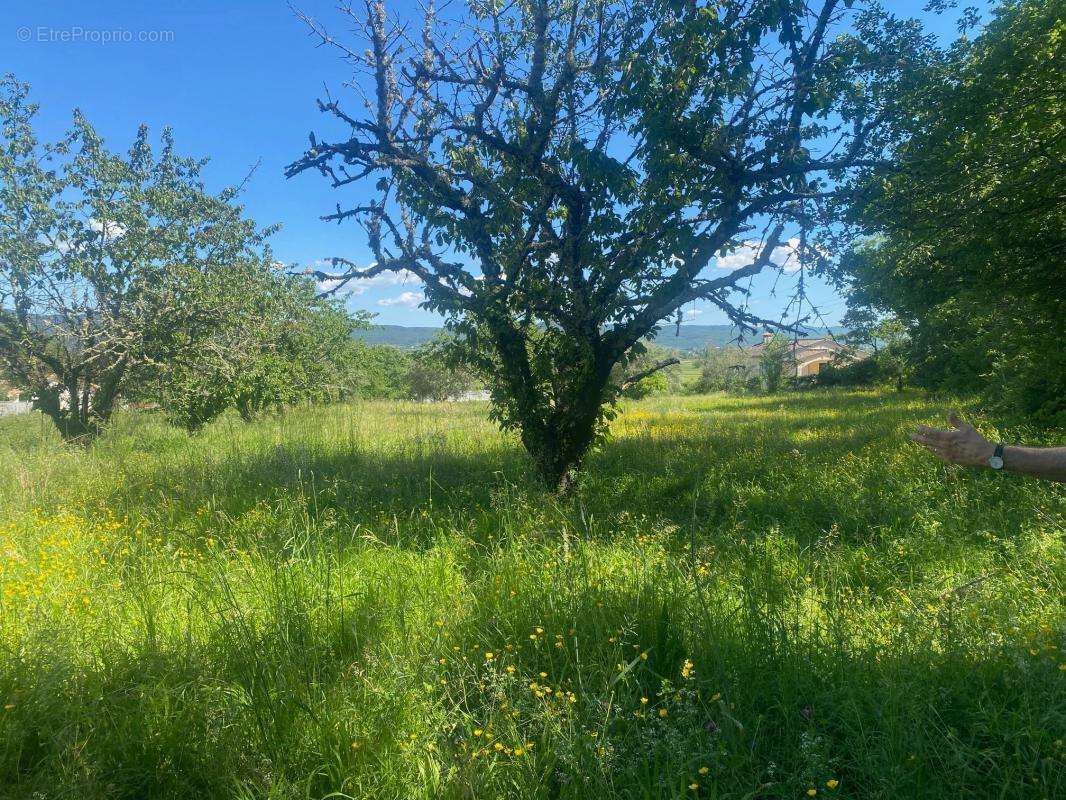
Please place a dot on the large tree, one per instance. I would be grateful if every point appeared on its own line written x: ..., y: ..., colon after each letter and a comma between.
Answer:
x: 967, y: 232
x: 110, y: 264
x: 561, y: 173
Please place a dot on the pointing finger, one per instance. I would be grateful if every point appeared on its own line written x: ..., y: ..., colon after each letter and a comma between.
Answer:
x: 932, y: 435
x: 957, y: 421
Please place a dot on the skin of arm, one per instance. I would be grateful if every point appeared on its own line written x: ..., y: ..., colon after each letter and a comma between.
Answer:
x: 963, y: 445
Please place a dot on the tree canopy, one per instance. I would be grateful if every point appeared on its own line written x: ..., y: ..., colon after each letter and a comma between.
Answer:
x: 966, y: 233
x: 109, y: 264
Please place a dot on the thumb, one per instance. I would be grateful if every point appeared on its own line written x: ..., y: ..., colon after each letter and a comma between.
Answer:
x: 956, y: 421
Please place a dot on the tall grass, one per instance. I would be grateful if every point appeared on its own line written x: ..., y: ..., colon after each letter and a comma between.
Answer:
x: 748, y: 598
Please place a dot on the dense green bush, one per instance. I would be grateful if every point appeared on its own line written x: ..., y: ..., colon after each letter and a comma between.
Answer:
x: 377, y: 372
x: 867, y: 372
x: 967, y: 226
x: 726, y: 369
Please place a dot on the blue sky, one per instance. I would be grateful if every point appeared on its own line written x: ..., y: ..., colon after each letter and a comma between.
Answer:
x: 237, y: 81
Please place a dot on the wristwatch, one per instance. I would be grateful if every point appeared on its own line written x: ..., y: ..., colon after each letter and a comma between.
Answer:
x: 996, y: 461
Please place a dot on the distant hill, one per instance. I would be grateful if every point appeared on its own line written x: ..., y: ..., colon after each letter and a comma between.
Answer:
x: 692, y: 338
x: 402, y: 336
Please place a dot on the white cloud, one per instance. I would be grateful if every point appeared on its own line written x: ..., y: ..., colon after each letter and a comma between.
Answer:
x: 358, y: 286
x: 693, y: 312
x: 785, y: 256
x: 109, y: 230
x: 408, y: 299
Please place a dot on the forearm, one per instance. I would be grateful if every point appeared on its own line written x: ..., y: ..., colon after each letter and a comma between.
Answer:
x: 1048, y: 463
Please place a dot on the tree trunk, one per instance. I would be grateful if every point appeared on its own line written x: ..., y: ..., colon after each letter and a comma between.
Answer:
x: 69, y: 423
x: 559, y: 448
x: 244, y: 408
x: 86, y: 411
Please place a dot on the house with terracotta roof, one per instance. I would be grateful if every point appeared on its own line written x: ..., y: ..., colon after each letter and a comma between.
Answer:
x: 808, y: 356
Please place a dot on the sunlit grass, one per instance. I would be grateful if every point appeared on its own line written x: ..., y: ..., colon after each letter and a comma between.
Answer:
x: 749, y: 598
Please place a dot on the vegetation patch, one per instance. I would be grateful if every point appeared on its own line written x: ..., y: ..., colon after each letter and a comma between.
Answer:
x: 779, y: 598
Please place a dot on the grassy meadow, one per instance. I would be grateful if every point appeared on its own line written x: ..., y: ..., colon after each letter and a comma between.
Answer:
x: 750, y: 597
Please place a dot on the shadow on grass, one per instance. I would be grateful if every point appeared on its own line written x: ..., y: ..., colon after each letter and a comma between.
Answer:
x: 193, y: 718
x: 268, y: 710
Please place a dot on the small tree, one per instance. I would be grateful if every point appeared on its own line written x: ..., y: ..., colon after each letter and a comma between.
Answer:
x: 775, y: 360
x: 726, y: 369
x: 278, y: 344
x: 302, y: 353
x: 374, y: 371
x: 432, y: 373
x: 559, y: 174
x: 109, y: 265
x: 892, y: 355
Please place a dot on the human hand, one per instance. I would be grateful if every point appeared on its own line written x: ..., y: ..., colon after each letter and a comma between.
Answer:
x: 963, y: 445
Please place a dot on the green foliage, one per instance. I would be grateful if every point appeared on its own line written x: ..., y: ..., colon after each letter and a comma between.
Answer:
x: 865, y: 372
x: 303, y: 607
x: 645, y: 387
x: 303, y: 352
x: 278, y: 343
x: 775, y: 363
x: 648, y: 358
x: 110, y: 264
x: 377, y: 371
x: 726, y: 369
x: 434, y: 372
x: 894, y: 355
x: 969, y: 224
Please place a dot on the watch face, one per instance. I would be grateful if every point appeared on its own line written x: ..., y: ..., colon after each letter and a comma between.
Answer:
x: 995, y: 462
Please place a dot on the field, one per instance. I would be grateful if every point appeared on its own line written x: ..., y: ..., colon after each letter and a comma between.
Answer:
x: 761, y: 597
